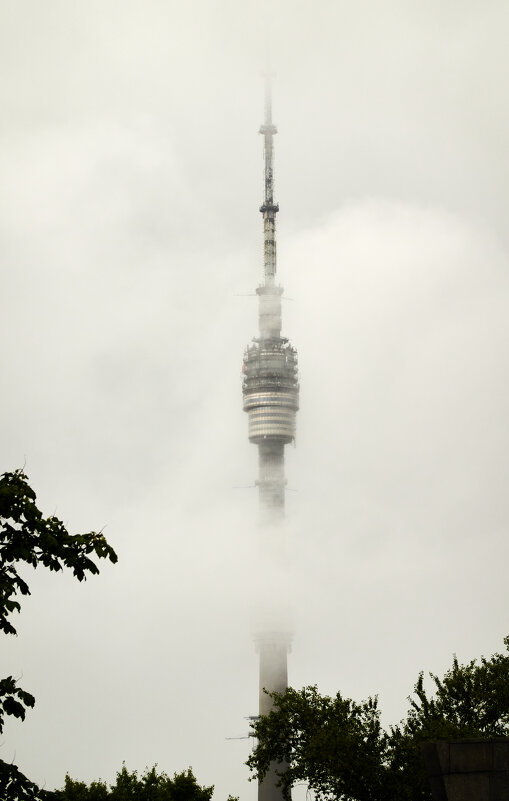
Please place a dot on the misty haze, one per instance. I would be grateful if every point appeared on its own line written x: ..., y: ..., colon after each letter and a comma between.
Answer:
x: 132, y: 177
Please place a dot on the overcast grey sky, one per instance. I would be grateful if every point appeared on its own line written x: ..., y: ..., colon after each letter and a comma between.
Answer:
x: 131, y: 179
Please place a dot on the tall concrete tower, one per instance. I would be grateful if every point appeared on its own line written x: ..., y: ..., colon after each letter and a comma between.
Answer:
x: 271, y: 398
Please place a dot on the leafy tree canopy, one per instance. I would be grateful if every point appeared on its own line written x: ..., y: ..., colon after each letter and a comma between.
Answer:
x: 339, y: 748
x: 151, y: 786
x: 28, y: 537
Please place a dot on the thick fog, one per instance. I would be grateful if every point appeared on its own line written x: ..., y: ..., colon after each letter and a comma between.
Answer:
x: 131, y: 245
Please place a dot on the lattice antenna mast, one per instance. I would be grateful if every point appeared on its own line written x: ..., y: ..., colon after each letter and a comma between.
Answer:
x: 269, y: 209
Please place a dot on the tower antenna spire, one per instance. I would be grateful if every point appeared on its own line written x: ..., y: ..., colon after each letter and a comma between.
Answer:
x: 269, y: 208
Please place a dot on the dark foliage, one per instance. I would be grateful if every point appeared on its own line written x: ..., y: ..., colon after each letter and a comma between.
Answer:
x: 151, y: 786
x: 340, y: 750
x: 28, y: 537
x: 14, y: 786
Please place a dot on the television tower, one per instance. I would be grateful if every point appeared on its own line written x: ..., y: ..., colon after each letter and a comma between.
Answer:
x: 271, y: 398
